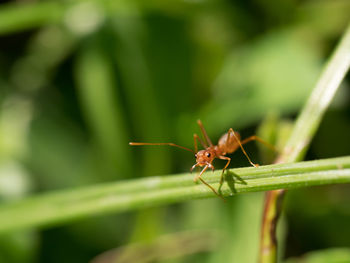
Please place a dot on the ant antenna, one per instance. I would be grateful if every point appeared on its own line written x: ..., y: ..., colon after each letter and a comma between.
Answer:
x: 161, y: 143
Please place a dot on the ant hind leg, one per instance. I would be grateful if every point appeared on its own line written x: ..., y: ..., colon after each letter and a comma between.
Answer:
x: 256, y: 138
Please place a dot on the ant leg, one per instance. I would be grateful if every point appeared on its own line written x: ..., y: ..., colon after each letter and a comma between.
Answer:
x: 220, y: 196
x: 256, y: 138
x: 200, y: 174
x: 195, y: 138
x: 240, y: 145
x: 204, y: 182
x: 223, y: 170
x: 204, y: 133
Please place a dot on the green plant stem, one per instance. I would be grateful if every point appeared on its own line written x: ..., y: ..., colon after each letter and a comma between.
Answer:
x: 321, y: 97
x: 66, y: 205
x: 299, y: 141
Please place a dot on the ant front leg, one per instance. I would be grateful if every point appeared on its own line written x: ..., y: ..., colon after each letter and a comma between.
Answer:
x: 209, y: 165
x: 204, y: 182
x: 240, y: 145
x: 223, y: 170
x: 195, y: 179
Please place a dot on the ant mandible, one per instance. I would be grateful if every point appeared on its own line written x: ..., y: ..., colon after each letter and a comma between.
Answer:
x: 228, y: 143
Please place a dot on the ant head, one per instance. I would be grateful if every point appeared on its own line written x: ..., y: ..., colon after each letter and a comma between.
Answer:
x: 204, y: 157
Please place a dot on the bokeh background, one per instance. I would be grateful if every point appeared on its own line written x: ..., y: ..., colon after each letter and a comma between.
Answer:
x: 80, y: 79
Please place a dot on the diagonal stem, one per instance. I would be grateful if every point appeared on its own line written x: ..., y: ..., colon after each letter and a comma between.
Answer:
x: 302, y: 134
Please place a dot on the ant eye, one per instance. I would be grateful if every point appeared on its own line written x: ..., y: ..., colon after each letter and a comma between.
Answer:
x: 208, y: 155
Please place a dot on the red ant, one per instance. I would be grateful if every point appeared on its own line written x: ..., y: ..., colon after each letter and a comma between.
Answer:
x: 228, y: 143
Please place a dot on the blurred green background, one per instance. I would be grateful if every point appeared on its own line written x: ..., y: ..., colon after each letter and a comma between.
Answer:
x: 80, y: 79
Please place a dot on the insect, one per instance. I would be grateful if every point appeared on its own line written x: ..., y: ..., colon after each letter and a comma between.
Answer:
x: 228, y: 143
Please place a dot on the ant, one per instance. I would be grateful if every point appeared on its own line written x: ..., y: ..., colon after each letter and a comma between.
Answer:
x: 228, y: 143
